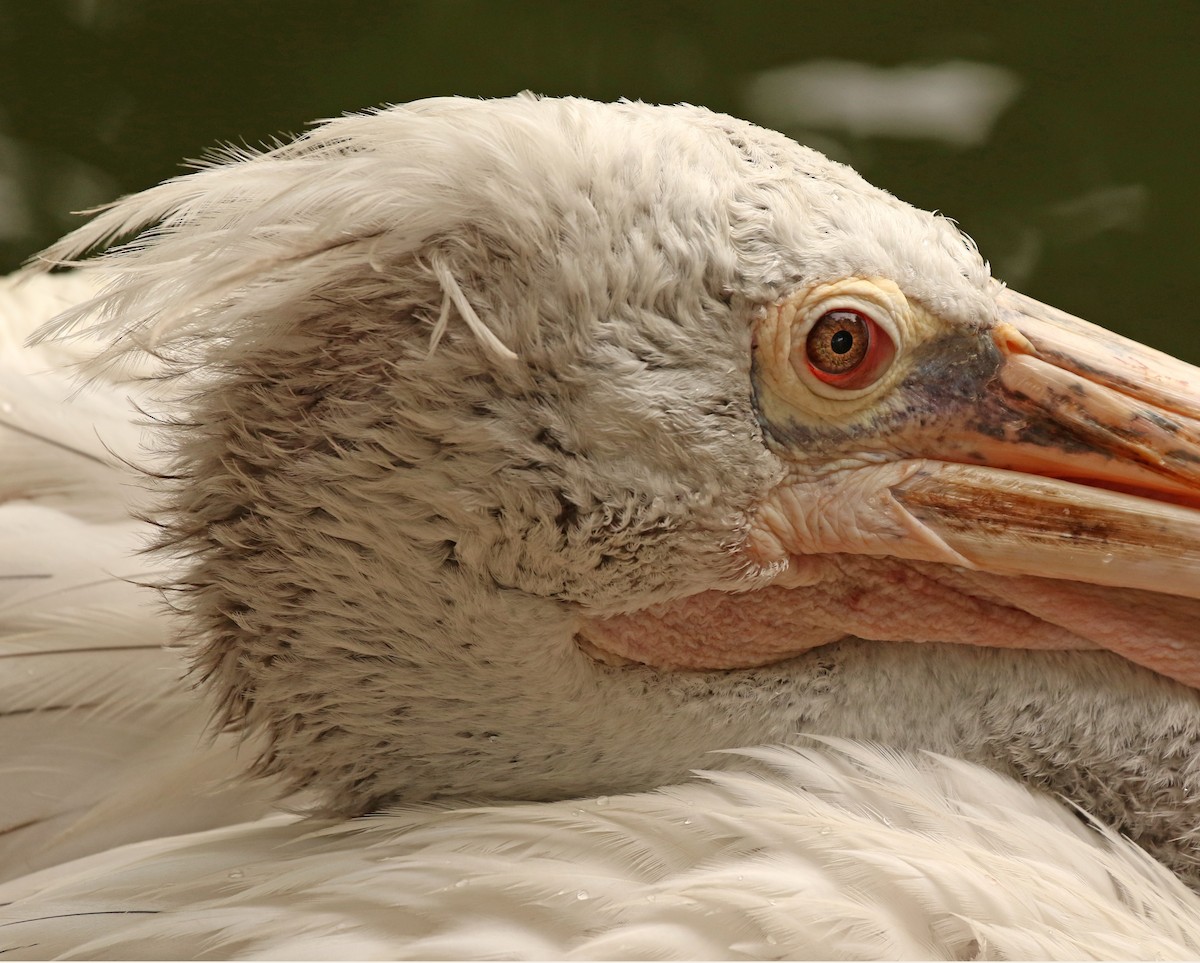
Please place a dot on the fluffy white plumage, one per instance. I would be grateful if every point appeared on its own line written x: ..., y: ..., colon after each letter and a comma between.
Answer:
x: 840, y: 852
x: 836, y: 849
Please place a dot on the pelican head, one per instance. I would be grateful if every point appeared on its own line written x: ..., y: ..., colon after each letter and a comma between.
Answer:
x: 531, y: 447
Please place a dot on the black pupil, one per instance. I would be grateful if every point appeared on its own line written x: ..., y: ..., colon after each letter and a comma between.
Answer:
x: 842, y: 342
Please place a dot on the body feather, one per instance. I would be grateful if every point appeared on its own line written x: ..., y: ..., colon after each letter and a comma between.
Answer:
x: 101, y: 740
x: 838, y: 851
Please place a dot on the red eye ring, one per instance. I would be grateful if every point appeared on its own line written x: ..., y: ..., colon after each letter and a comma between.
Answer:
x: 845, y: 348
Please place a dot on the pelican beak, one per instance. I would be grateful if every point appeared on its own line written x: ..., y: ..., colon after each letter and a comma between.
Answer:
x: 1044, y: 465
x: 1076, y: 474
x: 1091, y: 444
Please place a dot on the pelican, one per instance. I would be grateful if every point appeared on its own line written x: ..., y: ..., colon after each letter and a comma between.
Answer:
x: 598, y: 530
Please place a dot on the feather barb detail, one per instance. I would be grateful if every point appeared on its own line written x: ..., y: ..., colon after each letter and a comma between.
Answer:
x: 495, y: 349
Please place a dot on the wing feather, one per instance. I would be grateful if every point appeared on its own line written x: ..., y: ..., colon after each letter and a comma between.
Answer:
x: 101, y: 741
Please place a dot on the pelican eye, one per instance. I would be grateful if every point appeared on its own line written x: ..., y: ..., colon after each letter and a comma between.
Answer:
x: 847, y: 349
x: 838, y: 342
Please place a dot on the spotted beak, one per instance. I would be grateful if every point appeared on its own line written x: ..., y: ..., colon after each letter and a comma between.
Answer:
x: 1092, y: 454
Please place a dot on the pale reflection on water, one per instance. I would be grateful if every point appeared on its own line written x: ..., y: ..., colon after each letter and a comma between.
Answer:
x: 956, y: 102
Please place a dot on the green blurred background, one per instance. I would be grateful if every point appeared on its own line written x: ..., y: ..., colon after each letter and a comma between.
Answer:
x: 1062, y: 136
